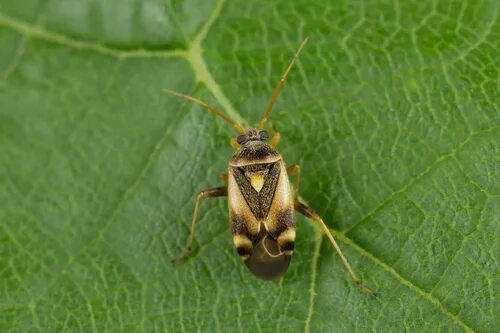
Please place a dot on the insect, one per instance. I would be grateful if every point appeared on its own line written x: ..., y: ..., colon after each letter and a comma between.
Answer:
x: 261, y: 204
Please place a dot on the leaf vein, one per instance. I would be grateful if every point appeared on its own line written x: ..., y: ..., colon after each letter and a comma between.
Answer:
x: 312, y: 288
x: 21, y: 48
x: 107, y: 222
x: 425, y: 295
x: 419, y: 176
x: 39, y: 32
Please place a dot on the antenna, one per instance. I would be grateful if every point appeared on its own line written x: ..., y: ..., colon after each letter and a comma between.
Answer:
x: 240, y: 129
x: 280, y: 85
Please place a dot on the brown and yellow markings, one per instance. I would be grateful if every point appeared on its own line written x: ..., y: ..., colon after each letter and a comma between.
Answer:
x: 257, y: 181
x: 259, y: 200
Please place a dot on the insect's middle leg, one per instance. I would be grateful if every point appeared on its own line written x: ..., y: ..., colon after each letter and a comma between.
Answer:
x: 210, y: 193
x: 224, y: 177
x: 311, y: 214
x: 295, y: 168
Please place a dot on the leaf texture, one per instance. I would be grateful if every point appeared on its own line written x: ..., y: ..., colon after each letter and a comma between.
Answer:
x: 392, y: 111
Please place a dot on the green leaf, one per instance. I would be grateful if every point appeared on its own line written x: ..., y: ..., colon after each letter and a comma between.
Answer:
x: 392, y: 111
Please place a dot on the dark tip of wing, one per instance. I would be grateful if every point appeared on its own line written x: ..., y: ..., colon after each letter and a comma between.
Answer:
x: 288, y: 246
x: 265, y: 260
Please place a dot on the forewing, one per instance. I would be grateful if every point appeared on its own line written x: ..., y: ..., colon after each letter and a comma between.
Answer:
x: 262, y: 222
x: 266, y: 261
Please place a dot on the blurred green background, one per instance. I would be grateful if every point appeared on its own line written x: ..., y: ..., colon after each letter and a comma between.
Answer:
x: 392, y: 111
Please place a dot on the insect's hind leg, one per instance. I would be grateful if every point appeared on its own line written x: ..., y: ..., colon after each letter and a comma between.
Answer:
x: 311, y: 214
x: 210, y: 193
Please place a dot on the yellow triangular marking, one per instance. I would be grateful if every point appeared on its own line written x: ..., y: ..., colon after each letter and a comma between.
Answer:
x: 257, y: 181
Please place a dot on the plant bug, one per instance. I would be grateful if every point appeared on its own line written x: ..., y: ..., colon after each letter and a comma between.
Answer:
x: 261, y: 203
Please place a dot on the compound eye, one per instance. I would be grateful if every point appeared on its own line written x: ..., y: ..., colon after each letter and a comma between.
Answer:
x: 241, y: 139
x: 264, y: 135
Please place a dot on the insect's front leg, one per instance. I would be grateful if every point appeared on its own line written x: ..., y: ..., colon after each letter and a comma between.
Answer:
x: 210, y: 193
x: 275, y: 139
x: 234, y: 143
x: 311, y: 214
x: 276, y: 135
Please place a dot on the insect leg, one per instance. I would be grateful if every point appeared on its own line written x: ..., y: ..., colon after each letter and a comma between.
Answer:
x: 311, y: 214
x: 210, y: 193
x: 234, y: 144
x: 295, y: 168
x: 224, y: 177
x: 275, y: 140
x: 276, y: 135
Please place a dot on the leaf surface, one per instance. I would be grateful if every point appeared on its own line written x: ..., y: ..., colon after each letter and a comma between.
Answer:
x: 392, y: 112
